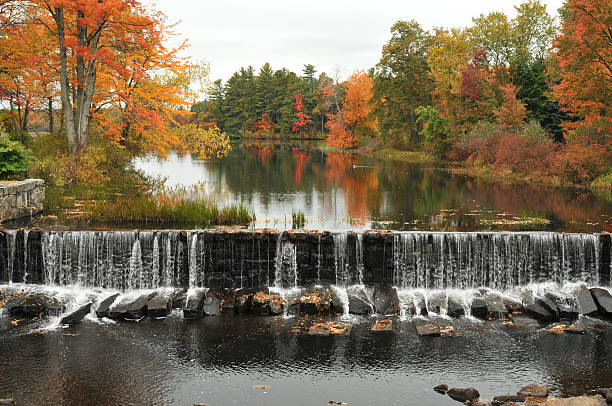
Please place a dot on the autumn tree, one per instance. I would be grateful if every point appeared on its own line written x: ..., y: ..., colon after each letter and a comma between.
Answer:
x: 511, y: 114
x: 353, y: 112
x: 584, y: 54
x: 302, y: 118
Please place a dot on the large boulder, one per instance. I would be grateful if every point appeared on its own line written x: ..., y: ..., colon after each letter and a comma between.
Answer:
x: 75, y: 316
x: 317, y: 301
x: 538, y: 312
x: 194, y: 307
x: 479, y: 309
x: 103, y: 308
x: 266, y: 304
x: 464, y: 394
x: 32, y: 305
x: 428, y: 330
x: 358, y: 302
x: 551, y: 307
x: 131, y: 307
x: 383, y: 326
x: 385, y: 300
x: 179, y: 298
x: 587, y: 304
x: 160, y: 306
x: 213, y: 301
x: 454, y: 309
x: 603, y: 300
x: 568, y: 312
x: 524, y: 322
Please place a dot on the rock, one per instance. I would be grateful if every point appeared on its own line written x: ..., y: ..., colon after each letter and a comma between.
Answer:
x: 428, y: 330
x: 568, y: 313
x: 359, y: 302
x: 33, y: 305
x: 479, y: 309
x: 385, y: 300
x: 130, y: 307
x: 597, y: 400
x: 533, y: 391
x: 194, y: 308
x: 510, y: 398
x: 496, y: 310
x: 179, y: 299
x: 277, y: 305
x: 75, y: 316
x: 383, y: 325
x: 464, y: 394
x: 160, y: 305
x: 104, y: 306
x: 317, y: 301
x: 587, y: 304
x: 521, y: 321
x: 8, y: 402
x: 512, y: 305
x: 551, y: 307
x: 327, y: 329
x: 212, y: 302
x: 538, y: 312
x: 441, y: 388
x: 606, y: 393
x: 266, y: 304
x: 243, y: 303
x: 603, y: 300
x: 454, y: 309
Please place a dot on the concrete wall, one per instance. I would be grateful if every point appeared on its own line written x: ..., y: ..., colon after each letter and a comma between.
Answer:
x: 21, y: 199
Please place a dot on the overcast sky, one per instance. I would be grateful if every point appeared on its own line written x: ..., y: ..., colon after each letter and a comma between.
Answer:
x: 345, y: 34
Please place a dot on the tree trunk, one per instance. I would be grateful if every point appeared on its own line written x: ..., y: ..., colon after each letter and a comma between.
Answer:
x: 50, y: 101
x: 24, y: 120
x: 68, y: 116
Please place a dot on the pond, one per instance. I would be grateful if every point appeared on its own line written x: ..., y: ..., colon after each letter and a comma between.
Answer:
x: 338, y: 191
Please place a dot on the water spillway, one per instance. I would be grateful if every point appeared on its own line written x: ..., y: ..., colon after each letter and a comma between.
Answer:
x: 128, y: 260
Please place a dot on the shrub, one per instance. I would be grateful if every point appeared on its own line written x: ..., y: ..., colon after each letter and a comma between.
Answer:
x: 14, y: 158
x: 525, y: 155
x: 535, y: 133
x: 584, y: 159
x: 479, y: 144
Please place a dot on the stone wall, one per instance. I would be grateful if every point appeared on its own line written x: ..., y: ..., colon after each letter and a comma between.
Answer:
x: 21, y: 199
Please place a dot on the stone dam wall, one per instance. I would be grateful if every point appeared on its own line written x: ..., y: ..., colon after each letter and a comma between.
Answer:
x: 127, y: 260
x: 21, y: 199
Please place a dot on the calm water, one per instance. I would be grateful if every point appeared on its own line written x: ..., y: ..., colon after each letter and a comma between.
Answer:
x: 344, y: 191
x: 219, y: 360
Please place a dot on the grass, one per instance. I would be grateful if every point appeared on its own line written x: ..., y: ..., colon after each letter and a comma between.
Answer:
x: 147, y: 203
x: 298, y: 220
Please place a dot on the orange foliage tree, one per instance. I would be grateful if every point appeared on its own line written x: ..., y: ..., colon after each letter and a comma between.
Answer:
x: 512, y: 112
x: 354, y: 113
x: 112, y: 68
x: 584, y: 54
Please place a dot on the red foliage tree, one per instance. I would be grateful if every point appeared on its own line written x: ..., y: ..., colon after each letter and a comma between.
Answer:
x: 302, y: 118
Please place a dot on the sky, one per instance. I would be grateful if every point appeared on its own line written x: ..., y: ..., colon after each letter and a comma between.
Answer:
x: 334, y: 35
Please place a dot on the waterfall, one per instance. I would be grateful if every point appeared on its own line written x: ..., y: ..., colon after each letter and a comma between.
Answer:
x: 125, y: 260
x: 285, y: 266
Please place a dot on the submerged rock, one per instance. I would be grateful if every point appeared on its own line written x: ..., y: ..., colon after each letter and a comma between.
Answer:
x: 105, y: 304
x: 179, y: 298
x: 479, y: 309
x: 534, y: 391
x: 131, y: 307
x: 75, y: 316
x: 327, y: 329
x: 568, y: 313
x: 428, y: 330
x: 441, y: 388
x: 266, y: 304
x: 383, y: 326
x: 464, y: 394
x: 538, y: 312
x: 597, y: 400
x: 317, y: 301
x: 194, y: 308
x: 522, y: 321
x: 603, y: 300
x: 510, y: 398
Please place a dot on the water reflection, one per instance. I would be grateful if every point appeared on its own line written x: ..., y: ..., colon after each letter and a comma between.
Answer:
x: 217, y: 361
x: 343, y: 191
